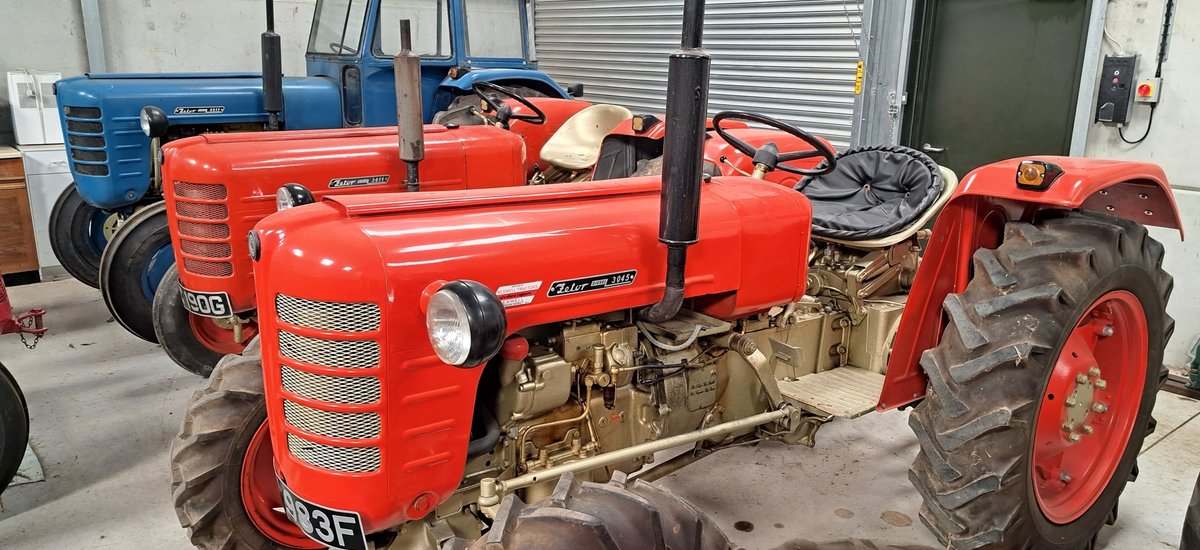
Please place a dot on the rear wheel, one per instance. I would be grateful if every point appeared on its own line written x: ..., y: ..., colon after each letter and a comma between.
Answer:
x: 14, y: 427
x: 1042, y: 386
x: 78, y: 235
x: 194, y: 342
x: 222, y: 474
x: 132, y: 267
x: 617, y: 515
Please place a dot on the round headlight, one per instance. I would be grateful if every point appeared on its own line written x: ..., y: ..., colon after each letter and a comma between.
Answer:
x: 466, y: 323
x: 292, y: 194
x: 154, y: 121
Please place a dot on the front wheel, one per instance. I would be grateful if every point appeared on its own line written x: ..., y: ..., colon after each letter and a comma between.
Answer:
x: 1042, y: 386
x: 132, y: 267
x: 222, y: 472
x: 14, y: 427
x: 78, y: 235
x: 194, y: 342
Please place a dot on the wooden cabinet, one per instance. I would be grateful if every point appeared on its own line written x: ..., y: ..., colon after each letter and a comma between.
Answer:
x: 17, y: 250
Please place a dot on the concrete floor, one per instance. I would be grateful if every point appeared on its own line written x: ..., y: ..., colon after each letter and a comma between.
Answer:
x: 105, y: 406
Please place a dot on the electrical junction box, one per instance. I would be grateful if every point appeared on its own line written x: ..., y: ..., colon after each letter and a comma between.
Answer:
x: 1148, y: 91
x: 1116, y: 89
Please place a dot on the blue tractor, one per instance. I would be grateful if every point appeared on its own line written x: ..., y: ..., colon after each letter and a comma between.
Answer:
x: 115, y: 123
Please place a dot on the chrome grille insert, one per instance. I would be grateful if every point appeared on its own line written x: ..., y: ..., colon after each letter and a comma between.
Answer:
x: 208, y: 269
x: 201, y: 191
x: 347, y: 354
x: 205, y: 249
x: 335, y: 316
x: 357, y: 390
x: 203, y: 211
x: 338, y: 459
x: 204, y: 230
x: 331, y: 424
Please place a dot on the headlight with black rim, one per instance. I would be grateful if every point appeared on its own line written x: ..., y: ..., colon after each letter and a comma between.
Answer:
x: 291, y: 195
x: 466, y: 323
x: 153, y: 121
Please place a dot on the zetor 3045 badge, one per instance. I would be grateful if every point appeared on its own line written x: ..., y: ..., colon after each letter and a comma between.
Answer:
x: 592, y: 283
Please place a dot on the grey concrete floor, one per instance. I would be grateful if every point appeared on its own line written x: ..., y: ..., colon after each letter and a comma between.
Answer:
x: 105, y: 406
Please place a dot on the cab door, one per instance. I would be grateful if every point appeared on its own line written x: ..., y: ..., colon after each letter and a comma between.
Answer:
x: 433, y: 23
x: 335, y: 51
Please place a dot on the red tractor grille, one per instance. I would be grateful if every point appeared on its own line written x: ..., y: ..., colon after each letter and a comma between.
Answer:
x: 204, y: 244
x: 331, y: 391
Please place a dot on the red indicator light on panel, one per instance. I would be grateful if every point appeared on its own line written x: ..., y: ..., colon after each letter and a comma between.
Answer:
x: 1145, y: 90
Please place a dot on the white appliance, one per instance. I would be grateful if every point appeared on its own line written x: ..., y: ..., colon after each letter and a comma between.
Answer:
x: 46, y: 176
x: 34, y: 107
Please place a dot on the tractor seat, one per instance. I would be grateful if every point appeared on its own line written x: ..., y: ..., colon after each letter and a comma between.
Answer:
x: 576, y: 145
x: 876, y: 193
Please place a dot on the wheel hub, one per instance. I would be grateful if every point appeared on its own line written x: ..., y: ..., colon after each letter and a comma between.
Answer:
x: 1090, y: 407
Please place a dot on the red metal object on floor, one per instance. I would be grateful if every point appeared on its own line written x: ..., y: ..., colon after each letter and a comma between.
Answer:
x: 1090, y: 407
x: 29, y: 322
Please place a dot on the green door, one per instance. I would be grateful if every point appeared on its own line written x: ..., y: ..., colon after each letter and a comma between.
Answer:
x: 994, y: 79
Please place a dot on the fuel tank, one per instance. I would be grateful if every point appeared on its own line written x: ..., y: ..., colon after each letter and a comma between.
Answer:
x: 217, y: 186
x: 341, y: 286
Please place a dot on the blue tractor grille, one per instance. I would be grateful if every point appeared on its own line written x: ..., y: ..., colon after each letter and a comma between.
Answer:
x: 85, y: 137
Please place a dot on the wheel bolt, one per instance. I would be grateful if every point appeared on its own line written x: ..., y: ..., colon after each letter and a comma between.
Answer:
x: 1067, y: 426
x: 1107, y: 331
x: 1081, y: 379
x: 1065, y: 477
x: 1074, y: 437
x: 1100, y: 408
x: 1101, y: 384
x: 1072, y: 402
x: 1094, y: 372
x: 1086, y: 429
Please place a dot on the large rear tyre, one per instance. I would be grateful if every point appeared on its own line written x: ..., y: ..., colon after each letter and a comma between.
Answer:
x: 1191, y: 523
x: 132, y: 267
x: 617, y: 515
x: 222, y: 474
x: 78, y: 235
x: 14, y: 427
x: 195, y: 343
x: 1041, y: 389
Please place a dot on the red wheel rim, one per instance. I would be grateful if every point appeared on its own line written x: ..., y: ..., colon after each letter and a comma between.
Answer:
x: 218, y: 338
x: 1090, y: 407
x: 261, y: 498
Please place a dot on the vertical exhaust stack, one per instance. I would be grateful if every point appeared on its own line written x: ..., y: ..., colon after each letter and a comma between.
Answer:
x: 687, y: 107
x: 272, y: 71
x: 409, y: 112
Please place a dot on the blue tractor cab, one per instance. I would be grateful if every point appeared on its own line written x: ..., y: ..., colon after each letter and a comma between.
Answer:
x: 113, y: 146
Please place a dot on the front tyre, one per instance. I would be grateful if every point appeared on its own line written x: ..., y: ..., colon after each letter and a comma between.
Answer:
x: 14, y: 427
x: 78, y: 235
x: 194, y: 342
x: 1041, y: 389
x: 618, y: 515
x: 222, y: 474
x: 132, y: 267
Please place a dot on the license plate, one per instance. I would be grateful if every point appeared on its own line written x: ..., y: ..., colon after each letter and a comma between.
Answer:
x: 207, y: 304
x: 334, y: 528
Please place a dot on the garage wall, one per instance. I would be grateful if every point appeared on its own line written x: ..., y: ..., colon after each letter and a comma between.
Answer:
x: 1173, y: 142
x: 792, y: 59
x: 147, y: 36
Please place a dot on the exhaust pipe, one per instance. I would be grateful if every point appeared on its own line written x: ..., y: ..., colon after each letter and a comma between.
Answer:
x: 409, y: 113
x: 272, y: 71
x: 687, y: 106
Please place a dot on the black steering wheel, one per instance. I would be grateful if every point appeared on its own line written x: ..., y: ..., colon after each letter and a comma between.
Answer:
x: 769, y: 155
x: 504, y: 113
x: 339, y: 48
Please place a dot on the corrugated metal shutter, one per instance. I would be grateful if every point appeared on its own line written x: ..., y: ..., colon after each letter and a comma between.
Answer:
x: 795, y: 60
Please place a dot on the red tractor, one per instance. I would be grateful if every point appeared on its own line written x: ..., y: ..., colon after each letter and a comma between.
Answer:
x: 219, y: 186
x: 427, y: 364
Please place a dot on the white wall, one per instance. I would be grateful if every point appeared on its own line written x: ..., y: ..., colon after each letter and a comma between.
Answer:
x: 1174, y: 141
x: 147, y: 36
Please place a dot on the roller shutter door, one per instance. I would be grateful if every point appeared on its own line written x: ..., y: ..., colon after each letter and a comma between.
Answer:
x: 796, y: 60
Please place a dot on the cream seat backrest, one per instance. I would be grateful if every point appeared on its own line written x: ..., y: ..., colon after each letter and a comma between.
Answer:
x: 576, y: 145
x: 951, y: 185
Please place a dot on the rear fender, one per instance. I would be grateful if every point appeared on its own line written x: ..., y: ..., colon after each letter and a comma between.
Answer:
x: 536, y: 80
x: 986, y: 200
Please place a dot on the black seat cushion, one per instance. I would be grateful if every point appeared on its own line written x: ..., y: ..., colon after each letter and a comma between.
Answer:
x: 874, y: 192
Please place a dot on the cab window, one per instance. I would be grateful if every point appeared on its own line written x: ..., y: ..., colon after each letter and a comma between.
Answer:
x: 337, y: 27
x: 495, y: 28
x: 430, y: 27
